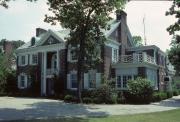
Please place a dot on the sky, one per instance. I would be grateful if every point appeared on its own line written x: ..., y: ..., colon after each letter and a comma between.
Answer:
x: 20, y: 20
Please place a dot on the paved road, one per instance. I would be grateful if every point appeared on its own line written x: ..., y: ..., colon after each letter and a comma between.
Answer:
x: 27, y: 108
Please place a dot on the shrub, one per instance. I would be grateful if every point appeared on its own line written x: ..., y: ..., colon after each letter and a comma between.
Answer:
x: 169, y: 94
x: 175, y: 93
x: 97, y: 100
x: 105, y: 94
x: 70, y: 98
x: 87, y: 100
x: 139, y: 91
x: 158, y: 96
x: 121, y: 99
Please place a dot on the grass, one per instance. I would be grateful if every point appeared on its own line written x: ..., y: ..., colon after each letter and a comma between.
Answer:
x: 166, y: 116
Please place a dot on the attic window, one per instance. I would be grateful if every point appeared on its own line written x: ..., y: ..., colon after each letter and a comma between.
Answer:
x: 50, y: 40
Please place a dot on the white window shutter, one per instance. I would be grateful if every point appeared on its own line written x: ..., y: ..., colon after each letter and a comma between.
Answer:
x: 69, y: 55
x: 68, y: 81
x: 30, y: 60
x: 19, y: 80
x: 98, y: 79
x: 18, y: 60
x: 26, y: 60
x: 26, y: 81
x: 86, y: 80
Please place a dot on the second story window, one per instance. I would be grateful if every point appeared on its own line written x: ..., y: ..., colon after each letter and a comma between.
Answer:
x: 34, y: 59
x: 114, y: 55
x: 23, y: 60
x: 73, y: 55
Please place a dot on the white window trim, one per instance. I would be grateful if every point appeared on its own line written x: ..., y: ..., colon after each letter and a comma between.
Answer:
x: 31, y: 59
x: 72, y: 72
x: 25, y: 81
x: 113, y: 59
x: 69, y: 54
x: 20, y: 60
x: 123, y: 88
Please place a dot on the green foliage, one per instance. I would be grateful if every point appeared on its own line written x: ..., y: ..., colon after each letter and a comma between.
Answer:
x: 87, y: 100
x: 139, y: 91
x: 174, y: 11
x: 70, y: 98
x: 158, y: 96
x: 106, y: 93
x: 85, y: 19
x: 175, y: 93
x: 169, y: 94
x: 138, y: 41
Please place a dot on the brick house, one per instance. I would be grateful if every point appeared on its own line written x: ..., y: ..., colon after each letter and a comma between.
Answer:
x: 49, y: 54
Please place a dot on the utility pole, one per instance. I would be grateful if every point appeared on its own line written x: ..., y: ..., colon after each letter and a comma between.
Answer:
x: 145, y: 43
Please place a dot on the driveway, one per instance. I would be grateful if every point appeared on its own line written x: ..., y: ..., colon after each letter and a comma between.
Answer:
x: 12, y: 108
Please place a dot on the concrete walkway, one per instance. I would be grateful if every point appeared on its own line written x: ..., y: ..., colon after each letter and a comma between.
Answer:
x: 27, y: 108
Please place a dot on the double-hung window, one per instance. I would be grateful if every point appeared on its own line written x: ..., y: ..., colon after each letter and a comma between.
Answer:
x: 22, y: 81
x: 73, y: 80
x: 34, y: 59
x: 23, y: 60
x: 73, y: 55
x: 92, y: 79
x: 114, y: 55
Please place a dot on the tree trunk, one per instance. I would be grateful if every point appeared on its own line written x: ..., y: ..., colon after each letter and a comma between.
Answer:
x: 80, y: 64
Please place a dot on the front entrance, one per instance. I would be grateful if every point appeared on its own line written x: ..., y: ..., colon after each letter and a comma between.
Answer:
x: 50, y: 87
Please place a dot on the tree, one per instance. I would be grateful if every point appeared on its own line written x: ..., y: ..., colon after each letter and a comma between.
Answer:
x: 174, y: 52
x: 174, y: 10
x: 85, y: 19
x: 138, y: 41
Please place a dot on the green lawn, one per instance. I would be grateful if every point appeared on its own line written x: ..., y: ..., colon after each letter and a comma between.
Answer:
x: 167, y: 116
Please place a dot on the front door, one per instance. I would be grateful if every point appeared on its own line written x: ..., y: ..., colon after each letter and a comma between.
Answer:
x: 50, y: 87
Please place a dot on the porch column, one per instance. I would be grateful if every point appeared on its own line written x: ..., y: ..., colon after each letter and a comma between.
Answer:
x: 144, y: 57
x: 155, y: 56
x: 45, y: 68
x: 58, y: 61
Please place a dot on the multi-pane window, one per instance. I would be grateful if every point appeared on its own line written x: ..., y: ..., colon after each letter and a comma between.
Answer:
x: 119, y: 81
x: 23, y: 60
x: 34, y: 59
x: 22, y: 81
x: 73, y: 55
x: 74, y: 80
x: 122, y: 80
x: 92, y: 79
x: 115, y: 55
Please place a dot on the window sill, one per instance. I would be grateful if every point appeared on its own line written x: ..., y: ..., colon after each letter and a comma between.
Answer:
x: 22, y: 65
x: 73, y: 89
x: 22, y: 87
x: 73, y: 61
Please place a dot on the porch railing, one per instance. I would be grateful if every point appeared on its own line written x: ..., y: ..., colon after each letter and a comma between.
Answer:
x: 137, y: 58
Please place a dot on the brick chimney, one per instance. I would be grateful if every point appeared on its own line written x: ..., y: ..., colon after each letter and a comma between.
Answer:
x: 8, y: 47
x: 40, y: 31
x: 122, y: 30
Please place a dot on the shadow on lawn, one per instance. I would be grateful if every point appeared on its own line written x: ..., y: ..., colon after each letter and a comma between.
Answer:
x: 50, y: 110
